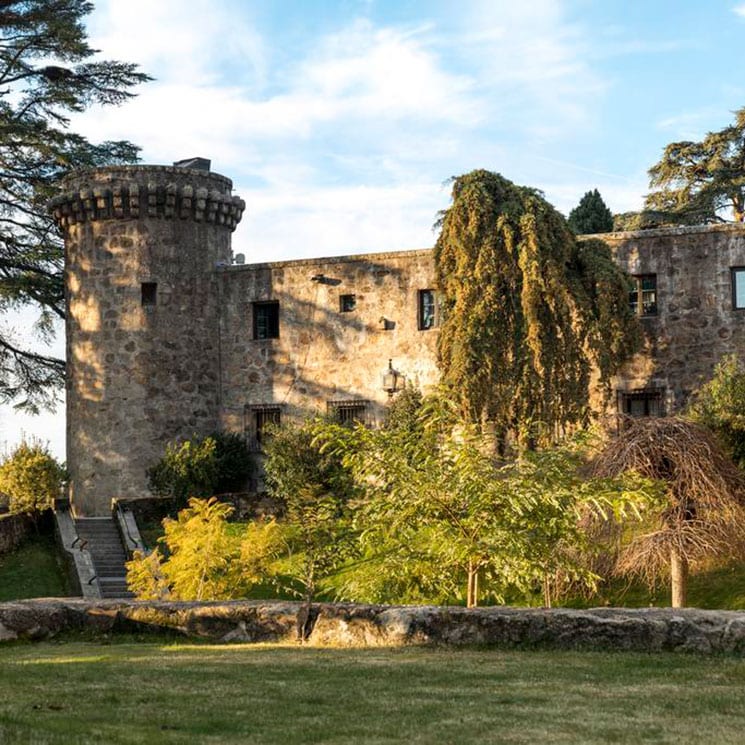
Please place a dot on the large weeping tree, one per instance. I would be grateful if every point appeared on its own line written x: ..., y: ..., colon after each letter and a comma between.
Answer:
x: 529, y: 312
x: 47, y: 72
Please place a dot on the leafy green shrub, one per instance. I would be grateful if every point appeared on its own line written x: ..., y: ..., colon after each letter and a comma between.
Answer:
x: 314, y: 489
x: 202, y: 467
x: 201, y: 559
x: 720, y: 405
x: 31, y: 477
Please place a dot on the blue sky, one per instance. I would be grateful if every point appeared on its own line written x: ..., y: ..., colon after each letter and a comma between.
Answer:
x: 340, y: 121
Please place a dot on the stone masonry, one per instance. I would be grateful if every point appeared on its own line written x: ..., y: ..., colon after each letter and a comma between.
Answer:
x: 324, y: 356
x: 696, y: 322
x: 167, y: 337
x: 685, y: 630
x: 142, y: 248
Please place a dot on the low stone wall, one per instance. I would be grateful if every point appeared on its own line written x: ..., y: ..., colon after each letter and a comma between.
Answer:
x: 13, y: 531
x: 349, y: 625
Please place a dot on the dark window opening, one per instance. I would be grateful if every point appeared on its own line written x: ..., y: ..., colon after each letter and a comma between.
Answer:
x: 149, y: 293
x: 348, y: 412
x: 347, y: 303
x: 643, y: 298
x: 266, y: 320
x: 427, y: 310
x: 738, y: 287
x: 641, y: 402
x: 257, y: 419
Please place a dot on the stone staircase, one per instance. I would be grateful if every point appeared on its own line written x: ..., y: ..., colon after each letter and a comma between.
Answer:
x: 99, y: 535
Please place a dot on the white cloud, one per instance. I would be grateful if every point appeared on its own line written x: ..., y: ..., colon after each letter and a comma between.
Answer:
x: 289, y: 221
x: 190, y: 43
x: 534, y: 62
x: 386, y: 73
x: 739, y: 10
x: 695, y: 124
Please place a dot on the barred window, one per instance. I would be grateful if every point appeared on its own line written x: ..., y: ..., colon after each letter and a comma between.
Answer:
x: 642, y: 402
x: 256, y: 420
x: 349, y: 412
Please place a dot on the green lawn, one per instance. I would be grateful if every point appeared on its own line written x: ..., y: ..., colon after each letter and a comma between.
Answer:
x: 158, y: 693
x: 33, y: 570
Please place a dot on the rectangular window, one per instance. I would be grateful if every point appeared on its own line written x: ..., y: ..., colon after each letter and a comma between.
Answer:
x: 427, y: 310
x: 149, y: 293
x: 256, y: 420
x: 266, y: 320
x: 738, y: 287
x: 642, y: 402
x: 643, y: 298
x: 349, y: 412
x: 347, y: 303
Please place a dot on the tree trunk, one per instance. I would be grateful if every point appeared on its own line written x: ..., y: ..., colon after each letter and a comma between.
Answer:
x: 547, y: 591
x: 738, y: 209
x: 679, y: 578
x: 472, y: 594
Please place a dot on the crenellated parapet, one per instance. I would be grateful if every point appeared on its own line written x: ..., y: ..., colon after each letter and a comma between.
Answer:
x: 136, y: 192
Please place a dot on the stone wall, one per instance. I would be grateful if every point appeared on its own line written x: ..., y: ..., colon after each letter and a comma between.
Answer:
x: 13, y: 531
x: 696, y: 323
x: 323, y: 353
x: 350, y: 625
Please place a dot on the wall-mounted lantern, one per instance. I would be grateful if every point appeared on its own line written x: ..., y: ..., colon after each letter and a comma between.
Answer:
x: 393, y: 381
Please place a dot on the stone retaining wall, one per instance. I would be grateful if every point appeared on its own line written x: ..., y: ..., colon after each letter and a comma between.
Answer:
x: 13, y: 531
x: 350, y: 625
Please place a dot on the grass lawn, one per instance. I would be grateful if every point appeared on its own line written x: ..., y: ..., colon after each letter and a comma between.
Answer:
x: 151, y: 692
x: 33, y: 570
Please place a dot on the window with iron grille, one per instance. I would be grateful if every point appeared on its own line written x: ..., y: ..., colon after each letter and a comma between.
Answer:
x: 643, y: 298
x: 266, y: 320
x: 349, y: 412
x: 257, y: 419
x: 642, y: 402
x: 427, y: 310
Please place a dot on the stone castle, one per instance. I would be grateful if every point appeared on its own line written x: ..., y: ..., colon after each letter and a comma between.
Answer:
x: 169, y: 335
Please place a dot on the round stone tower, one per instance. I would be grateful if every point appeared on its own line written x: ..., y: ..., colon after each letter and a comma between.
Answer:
x: 143, y: 247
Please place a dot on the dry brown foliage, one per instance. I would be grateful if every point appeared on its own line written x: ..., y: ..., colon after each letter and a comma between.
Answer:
x: 704, y: 511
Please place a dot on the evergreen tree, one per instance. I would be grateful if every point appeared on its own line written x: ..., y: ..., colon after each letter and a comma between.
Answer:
x: 46, y: 72
x: 695, y: 181
x: 591, y: 215
x: 528, y: 310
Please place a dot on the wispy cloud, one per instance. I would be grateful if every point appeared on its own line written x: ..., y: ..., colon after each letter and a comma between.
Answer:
x: 351, y: 137
x: 739, y: 10
x: 693, y: 125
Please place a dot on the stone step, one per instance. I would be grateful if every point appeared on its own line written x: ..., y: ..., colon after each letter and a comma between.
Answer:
x: 103, y: 541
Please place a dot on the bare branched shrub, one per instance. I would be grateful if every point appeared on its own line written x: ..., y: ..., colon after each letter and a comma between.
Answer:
x: 703, y: 515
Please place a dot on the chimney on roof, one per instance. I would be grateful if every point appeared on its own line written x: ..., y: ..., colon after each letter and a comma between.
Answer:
x: 196, y: 164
